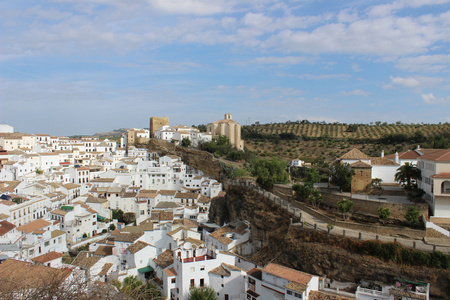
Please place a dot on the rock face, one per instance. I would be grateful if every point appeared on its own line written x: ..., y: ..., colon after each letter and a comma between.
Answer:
x: 311, y: 251
x: 200, y: 160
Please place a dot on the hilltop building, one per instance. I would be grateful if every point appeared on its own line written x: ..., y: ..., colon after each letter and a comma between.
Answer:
x: 134, y: 135
x: 157, y: 122
x: 229, y: 128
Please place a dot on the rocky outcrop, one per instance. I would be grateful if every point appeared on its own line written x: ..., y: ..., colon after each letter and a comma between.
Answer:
x: 312, y: 251
x: 197, y: 159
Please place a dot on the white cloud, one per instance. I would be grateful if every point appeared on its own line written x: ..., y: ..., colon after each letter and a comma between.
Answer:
x: 190, y: 7
x: 286, y: 60
x: 325, y: 76
x: 428, y: 63
x: 431, y: 99
x: 356, y: 93
x: 408, y: 82
x: 356, y: 67
x: 416, y: 82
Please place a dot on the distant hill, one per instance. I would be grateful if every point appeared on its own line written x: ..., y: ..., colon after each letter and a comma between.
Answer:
x: 115, y: 132
x: 319, y: 141
x: 373, y: 131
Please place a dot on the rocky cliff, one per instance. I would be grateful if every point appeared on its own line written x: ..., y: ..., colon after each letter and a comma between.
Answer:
x: 311, y: 251
x: 200, y: 160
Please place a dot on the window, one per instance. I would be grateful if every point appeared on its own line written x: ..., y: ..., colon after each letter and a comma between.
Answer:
x: 289, y: 292
x: 202, y: 281
x: 47, y: 243
x: 173, y: 280
x: 192, y: 269
x: 192, y: 282
x: 202, y: 268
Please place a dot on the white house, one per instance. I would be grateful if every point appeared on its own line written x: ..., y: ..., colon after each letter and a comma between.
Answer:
x: 233, y: 237
x: 194, y: 266
x: 275, y: 281
x: 435, y: 171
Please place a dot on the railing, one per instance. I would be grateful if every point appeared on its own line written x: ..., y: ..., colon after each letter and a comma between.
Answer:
x: 371, y: 292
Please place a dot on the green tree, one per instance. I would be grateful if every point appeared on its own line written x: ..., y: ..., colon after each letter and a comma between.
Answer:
x: 136, y: 289
x: 186, y: 142
x: 129, y: 217
x: 412, y: 215
x: 313, y: 176
x: 202, y: 293
x: 303, y: 191
x: 315, y: 198
x: 384, y: 213
x: 345, y: 206
x: 112, y: 227
x: 117, y: 214
x: 341, y: 175
x: 268, y: 172
x: 407, y: 173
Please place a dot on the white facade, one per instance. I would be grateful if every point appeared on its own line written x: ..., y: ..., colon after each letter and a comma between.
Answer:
x: 192, y: 267
x: 279, y: 282
x: 5, y: 128
x: 435, y: 171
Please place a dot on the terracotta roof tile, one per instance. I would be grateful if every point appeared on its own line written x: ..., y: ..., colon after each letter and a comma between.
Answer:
x: 167, y: 192
x: 441, y: 176
x: 170, y: 272
x: 320, y: 295
x: 355, y: 154
x: 137, y: 246
x: 16, y: 274
x: 6, y: 227
x: 360, y: 164
x: 442, y: 155
x: 165, y: 259
x: 104, y: 250
x: 33, y: 225
x: 105, y: 269
x: 288, y: 273
x: 382, y: 161
x: 85, y: 260
x: 220, y: 270
x: 47, y: 257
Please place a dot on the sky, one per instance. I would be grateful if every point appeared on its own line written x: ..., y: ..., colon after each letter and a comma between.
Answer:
x: 70, y: 67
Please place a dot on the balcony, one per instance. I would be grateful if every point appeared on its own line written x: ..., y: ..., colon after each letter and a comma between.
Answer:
x: 195, y: 258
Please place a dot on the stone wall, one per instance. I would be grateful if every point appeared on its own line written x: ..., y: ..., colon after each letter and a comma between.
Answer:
x: 398, y: 210
x: 381, y: 230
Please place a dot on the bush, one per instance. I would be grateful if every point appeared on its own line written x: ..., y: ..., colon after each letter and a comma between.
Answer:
x: 412, y: 215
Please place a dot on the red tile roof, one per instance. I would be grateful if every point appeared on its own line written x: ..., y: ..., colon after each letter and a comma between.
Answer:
x: 47, y: 257
x: 288, y: 273
x: 6, y: 227
x: 34, y: 225
x: 16, y: 275
x: 441, y: 176
x: 442, y: 155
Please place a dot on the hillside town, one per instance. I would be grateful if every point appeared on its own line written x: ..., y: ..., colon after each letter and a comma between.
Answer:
x: 90, y: 212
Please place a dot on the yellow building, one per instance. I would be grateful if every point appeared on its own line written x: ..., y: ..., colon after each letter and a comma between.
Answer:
x: 229, y: 128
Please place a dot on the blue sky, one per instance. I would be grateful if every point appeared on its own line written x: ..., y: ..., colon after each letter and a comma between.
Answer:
x: 85, y: 66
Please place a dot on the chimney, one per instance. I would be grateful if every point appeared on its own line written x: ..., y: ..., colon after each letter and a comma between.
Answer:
x: 382, y: 153
x: 418, y: 147
x: 396, y: 157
